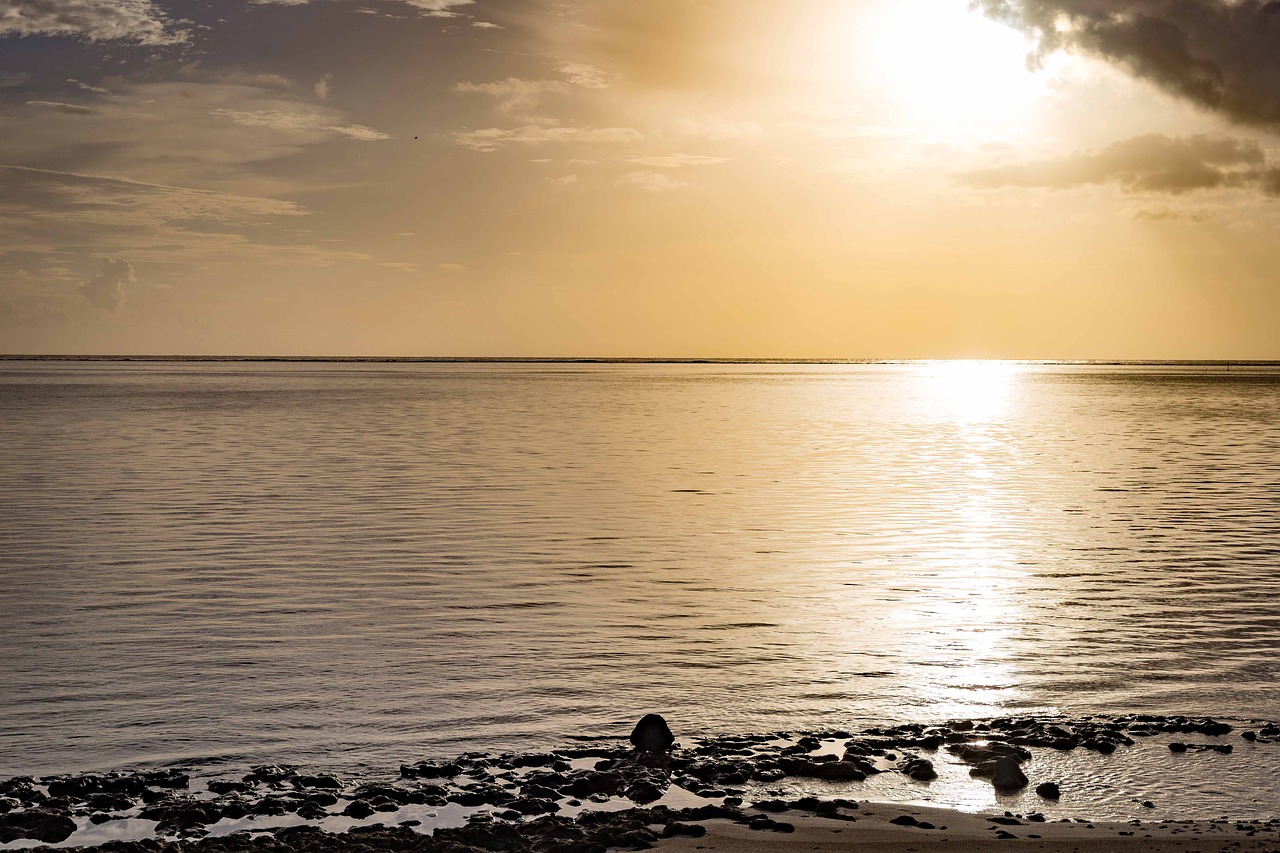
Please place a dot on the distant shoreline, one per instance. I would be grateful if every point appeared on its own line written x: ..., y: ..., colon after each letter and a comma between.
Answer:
x: 362, y: 359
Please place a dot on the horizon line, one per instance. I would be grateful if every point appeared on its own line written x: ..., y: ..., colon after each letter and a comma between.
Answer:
x: 520, y: 359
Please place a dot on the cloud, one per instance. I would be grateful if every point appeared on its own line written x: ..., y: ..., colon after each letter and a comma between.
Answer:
x: 49, y: 213
x: 35, y: 318
x: 514, y: 94
x: 137, y: 21
x: 584, y: 75
x: 719, y: 129
x: 105, y: 291
x: 13, y: 79
x: 70, y: 109
x: 652, y: 181
x: 676, y: 161
x: 1219, y: 54
x: 439, y: 8
x: 428, y: 8
x: 1145, y: 164
x: 492, y: 138
x: 296, y: 120
x: 321, y: 88
x: 213, y: 135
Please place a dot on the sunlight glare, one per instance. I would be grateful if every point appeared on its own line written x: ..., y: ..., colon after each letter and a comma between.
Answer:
x: 948, y: 67
x: 972, y: 391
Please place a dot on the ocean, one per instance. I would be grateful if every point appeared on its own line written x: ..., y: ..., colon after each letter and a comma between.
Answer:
x: 352, y: 565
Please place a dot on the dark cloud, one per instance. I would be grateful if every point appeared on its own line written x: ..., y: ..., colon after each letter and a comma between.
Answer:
x: 105, y: 291
x: 1145, y: 164
x: 137, y: 21
x: 1223, y: 55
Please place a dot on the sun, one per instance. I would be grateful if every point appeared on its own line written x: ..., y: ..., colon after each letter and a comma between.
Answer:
x: 944, y: 66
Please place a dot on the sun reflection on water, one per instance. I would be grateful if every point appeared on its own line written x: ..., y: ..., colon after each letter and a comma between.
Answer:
x: 970, y: 391
x: 968, y: 608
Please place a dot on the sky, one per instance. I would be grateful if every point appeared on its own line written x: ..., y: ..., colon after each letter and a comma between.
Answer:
x: 651, y: 178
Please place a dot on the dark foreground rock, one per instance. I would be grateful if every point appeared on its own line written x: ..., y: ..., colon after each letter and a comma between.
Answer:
x: 40, y: 824
x: 652, y: 734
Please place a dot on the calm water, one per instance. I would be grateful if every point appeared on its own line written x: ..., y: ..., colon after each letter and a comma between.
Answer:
x: 345, y: 565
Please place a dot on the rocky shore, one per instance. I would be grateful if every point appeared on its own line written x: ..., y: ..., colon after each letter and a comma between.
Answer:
x: 587, y: 799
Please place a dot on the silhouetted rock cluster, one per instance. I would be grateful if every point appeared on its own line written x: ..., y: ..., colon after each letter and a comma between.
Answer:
x: 522, y: 794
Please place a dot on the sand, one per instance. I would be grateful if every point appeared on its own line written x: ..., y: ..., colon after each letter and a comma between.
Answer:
x: 872, y: 832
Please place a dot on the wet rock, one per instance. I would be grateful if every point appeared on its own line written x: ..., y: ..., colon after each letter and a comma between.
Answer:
x: 384, y: 804
x: 271, y: 774
x: 1049, y: 790
x: 919, y: 769
x: 43, y: 825
x: 763, y: 822
x: 652, y: 734
x: 1177, y: 746
x: 429, y: 770
x: 1007, y: 775
x: 222, y: 786
x: 534, y: 806
x: 644, y: 793
x: 312, y: 811
x: 904, y: 820
x: 359, y: 809
x: 692, y: 830
x: 181, y: 815
x: 326, y: 781
x: 109, y: 802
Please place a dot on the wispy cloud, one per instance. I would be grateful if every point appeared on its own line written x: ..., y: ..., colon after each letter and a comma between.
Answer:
x: 492, y: 138
x: 676, y: 161
x: 1154, y: 163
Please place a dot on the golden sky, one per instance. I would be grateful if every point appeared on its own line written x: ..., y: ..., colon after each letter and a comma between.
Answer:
x: 731, y: 178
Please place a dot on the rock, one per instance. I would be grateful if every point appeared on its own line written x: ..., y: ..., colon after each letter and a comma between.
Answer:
x: 652, y: 734
x: 326, y: 781
x: 692, y: 830
x: 1007, y: 775
x: 42, y: 825
x: 1049, y: 790
x: 838, y: 771
x: 904, y: 820
x: 181, y: 815
x: 919, y: 769
x: 222, y: 786
x: 358, y: 809
x: 643, y: 793
x: 1177, y: 746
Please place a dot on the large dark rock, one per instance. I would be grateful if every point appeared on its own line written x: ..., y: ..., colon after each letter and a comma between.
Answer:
x: 1049, y: 790
x: 652, y: 734
x: 919, y: 769
x: 1007, y: 775
x: 40, y: 824
x: 181, y: 815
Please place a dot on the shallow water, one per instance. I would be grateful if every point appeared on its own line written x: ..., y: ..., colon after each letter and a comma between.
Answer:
x: 357, y: 565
